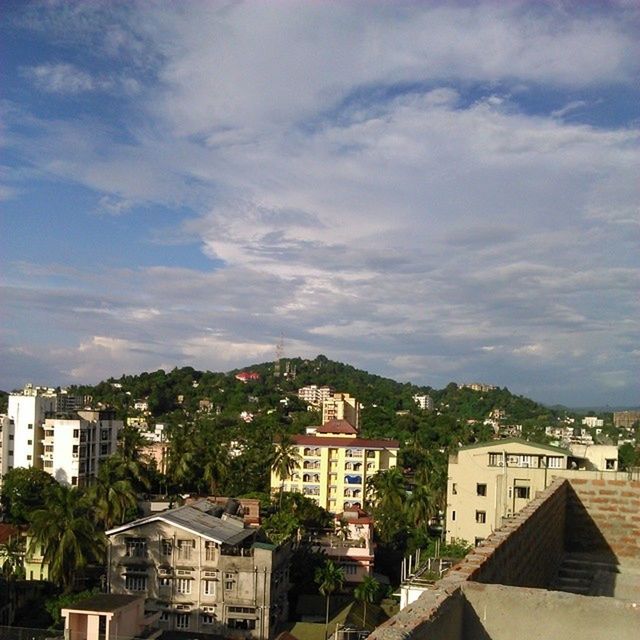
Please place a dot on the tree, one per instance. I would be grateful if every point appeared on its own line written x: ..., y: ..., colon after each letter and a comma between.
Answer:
x: 386, y: 496
x: 13, y: 552
x: 64, y: 530
x: 285, y: 459
x: 215, y: 467
x: 366, y: 592
x: 329, y: 578
x: 112, y: 496
x: 23, y: 492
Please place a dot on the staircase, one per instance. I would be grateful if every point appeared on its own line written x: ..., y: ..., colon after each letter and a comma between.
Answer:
x: 586, y: 575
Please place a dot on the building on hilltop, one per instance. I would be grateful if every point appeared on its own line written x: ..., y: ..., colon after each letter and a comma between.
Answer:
x: 341, y: 406
x: 626, y: 419
x: 335, y: 464
x: 315, y: 395
x: 202, y: 573
x: 492, y: 481
x: 425, y: 402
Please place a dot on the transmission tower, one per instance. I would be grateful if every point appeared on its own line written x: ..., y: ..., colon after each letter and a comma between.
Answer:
x: 279, y: 356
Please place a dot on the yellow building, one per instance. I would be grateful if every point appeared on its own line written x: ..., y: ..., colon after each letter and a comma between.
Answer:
x: 341, y: 406
x: 491, y: 481
x: 335, y: 464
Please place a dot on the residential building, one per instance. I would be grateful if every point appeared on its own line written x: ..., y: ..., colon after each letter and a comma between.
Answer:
x: 203, y: 573
x: 335, y: 464
x: 626, y: 419
x: 109, y: 617
x: 592, y: 422
x: 350, y: 545
x: 425, y: 402
x: 492, y: 481
x: 74, y: 448
x: 478, y: 386
x: 315, y: 395
x: 246, y: 376
x: 341, y: 406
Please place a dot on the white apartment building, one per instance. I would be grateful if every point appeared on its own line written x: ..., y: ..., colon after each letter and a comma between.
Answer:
x: 425, y: 402
x: 492, y: 481
x: 68, y: 446
x: 592, y: 422
x: 314, y: 394
x: 74, y: 448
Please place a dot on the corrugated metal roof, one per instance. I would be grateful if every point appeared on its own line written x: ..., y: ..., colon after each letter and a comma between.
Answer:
x: 196, y: 521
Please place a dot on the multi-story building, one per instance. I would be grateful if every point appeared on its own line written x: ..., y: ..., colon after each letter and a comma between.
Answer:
x: 626, y: 419
x: 492, y: 481
x: 335, y: 464
x: 315, y: 395
x: 341, y: 406
x: 203, y: 573
x: 69, y: 446
x: 73, y: 448
x: 592, y: 422
x: 425, y: 402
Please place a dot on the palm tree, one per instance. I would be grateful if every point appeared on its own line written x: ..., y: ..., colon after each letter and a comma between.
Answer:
x: 215, y: 468
x: 366, y: 592
x: 13, y: 552
x: 386, y: 496
x: 64, y: 531
x: 329, y: 578
x: 285, y: 459
x: 112, y: 497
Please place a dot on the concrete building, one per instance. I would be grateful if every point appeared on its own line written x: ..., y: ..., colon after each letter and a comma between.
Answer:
x: 425, y: 402
x: 492, y: 481
x: 537, y: 576
x: 625, y: 419
x: 203, y: 573
x: 68, y: 446
x: 335, y: 464
x: 592, y: 422
x: 341, y: 406
x: 314, y: 394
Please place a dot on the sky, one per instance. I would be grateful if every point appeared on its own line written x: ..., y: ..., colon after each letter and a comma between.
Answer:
x: 431, y: 191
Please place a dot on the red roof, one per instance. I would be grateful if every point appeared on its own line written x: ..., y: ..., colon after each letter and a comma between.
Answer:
x: 337, y: 441
x: 7, y: 531
x: 337, y: 426
x: 247, y: 375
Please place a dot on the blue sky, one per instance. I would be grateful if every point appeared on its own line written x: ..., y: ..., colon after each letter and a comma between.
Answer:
x: 432, y: 191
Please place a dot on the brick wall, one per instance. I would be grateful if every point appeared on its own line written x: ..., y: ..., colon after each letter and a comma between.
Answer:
x: 604, y: 516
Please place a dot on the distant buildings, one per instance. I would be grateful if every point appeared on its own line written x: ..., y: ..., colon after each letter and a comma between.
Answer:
x: 341, y: 406
x: 478, y: 386
x: 592, y: 422
x: 315, y: 395
x: 625, y: 419
x: 246, y: 376
x: 202, y: 573
x: 492, y: 481
x: 425, y: 402
x: 70, y: 446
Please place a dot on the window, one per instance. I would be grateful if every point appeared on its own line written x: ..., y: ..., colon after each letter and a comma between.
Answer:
x: 105, y: 434
x: 104, y: 449
x: 28, y: 457
x: 164, y: 616
x: 74, y: 481
x: 11, y: 438
x: 185, y: 547
x: 164, y: 582
x: 454, y: 489
x: 182, y: 620
x: 76, y: 433
x: 209, y: 587
x: 554, y: 462
x: 522, y: 493
x: 29, y: 441
x: 350, y: 569
x: 29, y: 426
x: 48, y: 464
x: 136, y: 547
x: 241, y: 610
x: 208, y: 618
x: 166, y: 547
x: 453, y: 516
x: 183, y: 585
x: 241, y: 623
x: 481, y: 489
x: 135, y: 583
x: 496, y: 460
x: 610, y: 463
x: 478, y: 541
x: 481, y: 517
x: 75, y: 451
x: 209, y: 551
x: 229, y: 581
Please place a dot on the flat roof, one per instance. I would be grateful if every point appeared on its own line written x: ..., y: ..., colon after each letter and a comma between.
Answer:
x: 108, y: 602
x: 503, y: 441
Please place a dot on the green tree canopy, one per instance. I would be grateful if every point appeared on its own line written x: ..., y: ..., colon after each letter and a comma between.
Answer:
x: 23, y: 491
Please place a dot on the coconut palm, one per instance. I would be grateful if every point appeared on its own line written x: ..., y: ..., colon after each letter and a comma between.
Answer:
x: 13, y: 554
x: 285, y: 459
x: 366, y: 592
x: 112, y: 496
x: 387, y: 496
x: 329, y: 578
x: 64, y: 531
x: 216, y: 468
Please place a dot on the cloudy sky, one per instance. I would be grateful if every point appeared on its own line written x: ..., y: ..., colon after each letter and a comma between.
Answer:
x: 432, y: 191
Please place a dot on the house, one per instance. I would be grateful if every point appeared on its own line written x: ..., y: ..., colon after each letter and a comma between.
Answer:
x: 245, y: 376
x: 491, y: 481
x: 341, y: 406
x: 109, y: 617
x: 203, y: 573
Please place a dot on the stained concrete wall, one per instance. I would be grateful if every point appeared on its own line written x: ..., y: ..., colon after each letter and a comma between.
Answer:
x: 496, y: 612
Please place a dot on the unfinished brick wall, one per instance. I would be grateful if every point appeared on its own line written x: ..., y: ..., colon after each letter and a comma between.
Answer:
x: 603, y: 516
